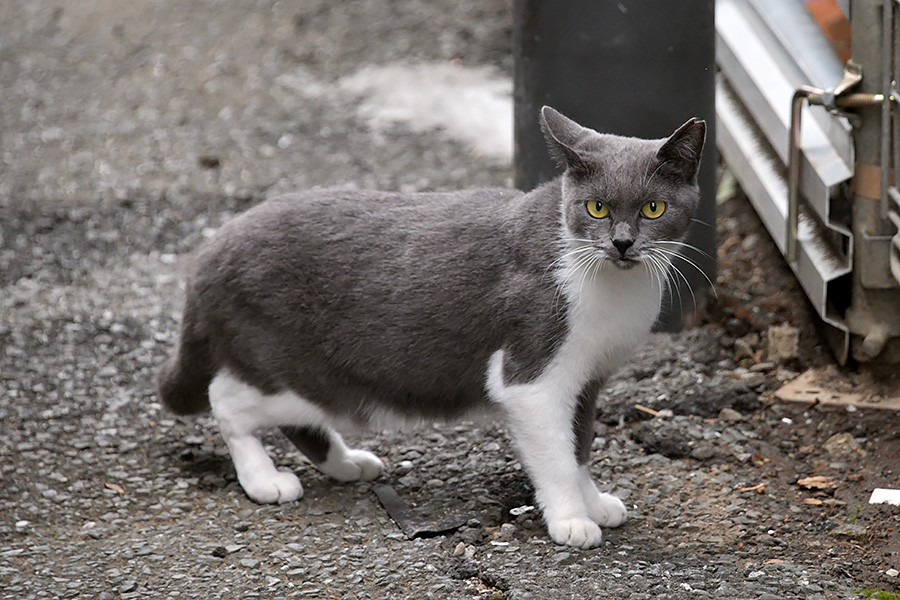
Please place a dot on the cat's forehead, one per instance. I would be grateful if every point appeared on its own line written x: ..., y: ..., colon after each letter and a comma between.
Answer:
x: 617, y: 154
x: 619, y: 143
x: 623, y: 173
x: 621, y: 167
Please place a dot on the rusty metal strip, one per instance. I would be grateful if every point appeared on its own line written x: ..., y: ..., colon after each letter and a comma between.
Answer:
x: 866, y: 181
x: 412, y: 525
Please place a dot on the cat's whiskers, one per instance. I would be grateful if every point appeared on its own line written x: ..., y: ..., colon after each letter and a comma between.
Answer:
x: 581, y: 258
x: 666, y: 254
x: 693, y: 264
x: 560, y: 265
x: 594, y: 268
x: 662, y: 267
x: 591, y: 271
x: 657, y: 270
x: 685, y: 245
x: 649, y: 180
x: 699, y: 222
x: 585, y: 248
x: 586, y: 266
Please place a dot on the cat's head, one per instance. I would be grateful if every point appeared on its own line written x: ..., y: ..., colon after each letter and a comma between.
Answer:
x: 629, y: 200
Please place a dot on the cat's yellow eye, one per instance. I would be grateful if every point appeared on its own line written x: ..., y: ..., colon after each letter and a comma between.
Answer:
x: 597, y: 209
x: 653, y: 209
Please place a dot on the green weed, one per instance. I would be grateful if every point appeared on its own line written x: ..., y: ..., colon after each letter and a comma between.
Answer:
x: 876, y: 594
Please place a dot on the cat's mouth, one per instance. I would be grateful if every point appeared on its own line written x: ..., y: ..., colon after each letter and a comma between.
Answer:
x: 625, y: 263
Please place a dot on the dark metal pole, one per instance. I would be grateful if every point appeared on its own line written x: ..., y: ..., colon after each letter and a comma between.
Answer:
x: 631, y: 67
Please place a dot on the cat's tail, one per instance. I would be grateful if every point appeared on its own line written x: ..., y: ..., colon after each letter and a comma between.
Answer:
x: 183, y: 381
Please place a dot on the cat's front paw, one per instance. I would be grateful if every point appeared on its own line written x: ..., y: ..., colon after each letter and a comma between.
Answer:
x: 579, y: 532
x: 606, y: 510
x: 354, y: 465
x: 274, y: 488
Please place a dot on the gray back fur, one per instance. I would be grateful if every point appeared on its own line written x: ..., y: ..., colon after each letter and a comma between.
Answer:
x: 361, y: 301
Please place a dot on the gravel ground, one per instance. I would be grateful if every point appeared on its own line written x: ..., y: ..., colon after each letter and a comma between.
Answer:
x: 130, y: 131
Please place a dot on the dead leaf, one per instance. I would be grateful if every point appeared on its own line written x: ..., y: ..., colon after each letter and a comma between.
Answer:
x: 855, y: 477
x: 818, y: 482
x: 773, y: 561
x: 115, y: 487
x: 813, y: 501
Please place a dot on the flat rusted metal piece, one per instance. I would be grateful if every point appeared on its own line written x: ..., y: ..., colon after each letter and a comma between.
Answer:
x: 413, y: 525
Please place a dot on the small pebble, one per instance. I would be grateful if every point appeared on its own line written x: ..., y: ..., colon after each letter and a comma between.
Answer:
x: 403, y: 467
x: 763, y: 367
x: 128, y: 586
x: 730, y: 415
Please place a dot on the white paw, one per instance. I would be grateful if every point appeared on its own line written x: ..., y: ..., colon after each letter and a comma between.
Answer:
x: 579, y: 532
x: 277, y: 487
x: 606, y: 510
x: 354, y: 465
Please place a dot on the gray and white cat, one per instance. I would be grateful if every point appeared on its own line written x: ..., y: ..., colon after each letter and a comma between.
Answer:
x: 316, y: 310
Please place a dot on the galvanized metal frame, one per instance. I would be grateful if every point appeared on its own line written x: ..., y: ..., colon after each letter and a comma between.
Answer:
x: 760, y: 69
x: 782, y: 131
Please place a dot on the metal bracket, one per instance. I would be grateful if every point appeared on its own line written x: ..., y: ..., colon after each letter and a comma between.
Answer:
x: 852, y: 77
x: 875, y: 261
x: 836, y: 100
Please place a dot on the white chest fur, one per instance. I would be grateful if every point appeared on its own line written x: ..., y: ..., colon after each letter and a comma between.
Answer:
x: 610, y: 313
x: 609, y: 316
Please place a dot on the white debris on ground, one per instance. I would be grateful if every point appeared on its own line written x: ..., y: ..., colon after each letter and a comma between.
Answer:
x: 470, y: 104
x: 885, y: 496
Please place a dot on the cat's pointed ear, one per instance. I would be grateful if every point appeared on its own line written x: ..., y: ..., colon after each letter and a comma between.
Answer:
x: 679, y: 156
x: 562, y: 135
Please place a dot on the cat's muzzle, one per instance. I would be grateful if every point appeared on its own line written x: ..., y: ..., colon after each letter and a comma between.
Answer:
x: 625, y: 263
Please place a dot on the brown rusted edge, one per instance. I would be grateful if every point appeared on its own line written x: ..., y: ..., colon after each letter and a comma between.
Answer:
x: 866, y: 181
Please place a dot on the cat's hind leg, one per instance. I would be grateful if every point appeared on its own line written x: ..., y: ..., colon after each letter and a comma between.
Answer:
x: 328, y: 452
x: 240, y: 409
